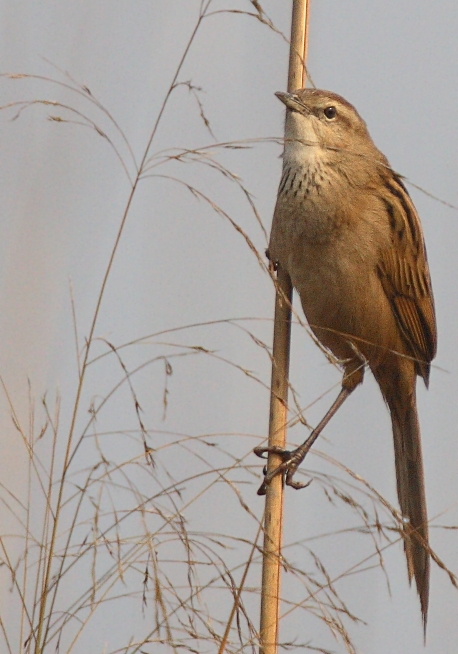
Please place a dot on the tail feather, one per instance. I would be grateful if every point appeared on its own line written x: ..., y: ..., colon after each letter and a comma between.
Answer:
x: 411, y: 494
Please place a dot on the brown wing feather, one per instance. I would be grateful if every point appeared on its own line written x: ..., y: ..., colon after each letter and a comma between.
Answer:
x: 405, y: 278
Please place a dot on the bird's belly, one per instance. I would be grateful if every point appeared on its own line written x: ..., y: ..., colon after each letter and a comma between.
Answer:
x: 342, y: 299
x: 332, y: 262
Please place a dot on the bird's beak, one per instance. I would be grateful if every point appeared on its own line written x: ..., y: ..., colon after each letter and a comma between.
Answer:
x: 291, y: 101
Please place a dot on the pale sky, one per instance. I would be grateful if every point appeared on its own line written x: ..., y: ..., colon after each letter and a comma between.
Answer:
x: 64, y: 192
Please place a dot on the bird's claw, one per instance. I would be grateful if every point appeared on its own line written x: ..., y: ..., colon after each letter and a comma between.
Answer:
x: 273, y: 449
x: 291, y: 460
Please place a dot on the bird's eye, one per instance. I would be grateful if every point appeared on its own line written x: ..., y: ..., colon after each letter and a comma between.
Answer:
x: 330, y: 112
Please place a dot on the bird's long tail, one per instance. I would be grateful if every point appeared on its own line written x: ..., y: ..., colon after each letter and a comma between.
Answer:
x: 411, y: 492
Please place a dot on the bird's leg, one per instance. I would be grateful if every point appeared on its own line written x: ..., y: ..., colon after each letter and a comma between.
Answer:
x: 293, y: 459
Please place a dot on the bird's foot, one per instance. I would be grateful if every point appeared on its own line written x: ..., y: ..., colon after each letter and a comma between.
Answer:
x: 291, y: 460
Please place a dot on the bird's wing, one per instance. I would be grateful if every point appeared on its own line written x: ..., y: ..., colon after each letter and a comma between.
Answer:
x: 404, y: 273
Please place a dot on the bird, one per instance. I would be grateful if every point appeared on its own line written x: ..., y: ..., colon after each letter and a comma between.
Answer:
x: 347, y: 233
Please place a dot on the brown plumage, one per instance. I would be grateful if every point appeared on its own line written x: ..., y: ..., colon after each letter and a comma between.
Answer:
x: 348, y: 234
